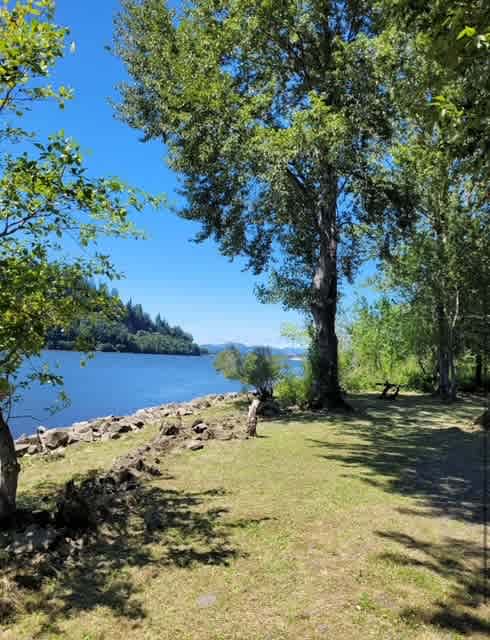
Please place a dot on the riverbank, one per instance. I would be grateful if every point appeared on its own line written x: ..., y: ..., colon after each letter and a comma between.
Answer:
x: 53, y: 442
x: 114, y: 384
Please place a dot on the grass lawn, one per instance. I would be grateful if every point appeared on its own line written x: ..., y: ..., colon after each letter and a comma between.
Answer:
x: 360, y: 526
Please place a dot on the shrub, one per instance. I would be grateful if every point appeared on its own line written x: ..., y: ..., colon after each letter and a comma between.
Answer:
x: 295, y: 389
x: 258, y: 369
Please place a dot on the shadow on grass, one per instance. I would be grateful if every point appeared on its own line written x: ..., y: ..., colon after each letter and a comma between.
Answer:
x: 409, y: 448
x: 459, y: 562
x: 412, y: 447
x: 149, y: 529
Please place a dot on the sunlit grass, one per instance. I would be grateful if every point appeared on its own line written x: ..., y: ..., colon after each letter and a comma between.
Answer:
x: 341, y: 527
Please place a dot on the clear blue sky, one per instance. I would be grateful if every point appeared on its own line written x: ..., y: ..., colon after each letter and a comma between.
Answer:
x: 191, y: 285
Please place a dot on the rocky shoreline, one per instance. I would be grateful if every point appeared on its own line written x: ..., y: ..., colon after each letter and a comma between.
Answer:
x: 53, y: 442
x: 74, y: 521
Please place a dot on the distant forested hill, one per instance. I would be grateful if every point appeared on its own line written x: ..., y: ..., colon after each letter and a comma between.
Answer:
x: 244, y: 348
x: 134, y: 331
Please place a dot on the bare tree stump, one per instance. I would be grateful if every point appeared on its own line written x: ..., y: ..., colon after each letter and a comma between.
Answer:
x: 252, y: 418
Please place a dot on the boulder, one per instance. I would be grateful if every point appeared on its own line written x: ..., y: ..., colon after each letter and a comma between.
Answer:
x: 162, y: 442
x: 169, y: 429
x: 82, y: 427
x: 194, y: 445
x: 184, y: 411
x: 219, y: 434
x: 200, y: 427
x: 54, y: 438
x: 80, y: 436
x: 115, y: 430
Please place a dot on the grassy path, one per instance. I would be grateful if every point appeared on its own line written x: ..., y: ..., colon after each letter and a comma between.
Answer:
x: 365, y: 526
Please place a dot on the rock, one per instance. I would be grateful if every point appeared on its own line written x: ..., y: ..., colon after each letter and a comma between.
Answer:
x: 80, y: 436
x: 194, y: 445
x: 21, y: 449
x: 55, y: 438
x: 135, y: 462
x: 33, y: 539
x: 74, y: 510
x: 136, y: 425
x: 162, y: 443
x: 200, y: 427
x: 27, y: 440
x: 207, y: 600
x: 115, y: 430
x: 57, y: 454
x: 169, y: 429
x: 33, y: 449
x: 82, y: 427
x: 223, y: 435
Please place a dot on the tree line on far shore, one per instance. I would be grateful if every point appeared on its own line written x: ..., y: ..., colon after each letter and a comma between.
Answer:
x: 129, y: 330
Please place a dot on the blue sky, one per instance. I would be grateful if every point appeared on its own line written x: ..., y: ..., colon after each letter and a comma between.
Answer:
x: 191, y: 285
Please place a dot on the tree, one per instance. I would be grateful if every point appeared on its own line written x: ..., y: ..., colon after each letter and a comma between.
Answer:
x: 272, y: 113
x: 439, y: 265
x: 453, y: 37
x: 259, y: 369
x: 45, y: 193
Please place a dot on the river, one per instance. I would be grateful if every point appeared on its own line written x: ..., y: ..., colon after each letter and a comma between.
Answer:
x: 116, y: 384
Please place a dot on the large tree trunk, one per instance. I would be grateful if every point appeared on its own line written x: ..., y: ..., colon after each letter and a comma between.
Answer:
x: 9, y: 472
x: 447, y: 378
x: 326, y: 388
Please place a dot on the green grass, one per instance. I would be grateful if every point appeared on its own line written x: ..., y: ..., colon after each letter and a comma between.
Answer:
x: 366, y: 525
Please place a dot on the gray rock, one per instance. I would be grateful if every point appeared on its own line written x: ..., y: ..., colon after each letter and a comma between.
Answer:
x: 115, y: 430
x: 219, y: 434
x: 207, y: 600
x: 200, y: 427
x: 82, y: 427
x: 185, y: 412
x: 55, y: 438
x: 80, y: 436
x: 161, y: 442
x: 194, y: 445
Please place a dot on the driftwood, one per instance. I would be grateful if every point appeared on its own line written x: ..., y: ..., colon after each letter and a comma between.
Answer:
x: 388, y: 386
x: 252, y: 418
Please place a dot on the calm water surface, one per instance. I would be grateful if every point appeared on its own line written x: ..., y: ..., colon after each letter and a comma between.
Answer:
x: 118, y: 384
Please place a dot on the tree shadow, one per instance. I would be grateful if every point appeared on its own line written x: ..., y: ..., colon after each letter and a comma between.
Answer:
x: 149, y: 528
x: 405, y: 448
x: 460, y: 562
x: 413, y: 447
